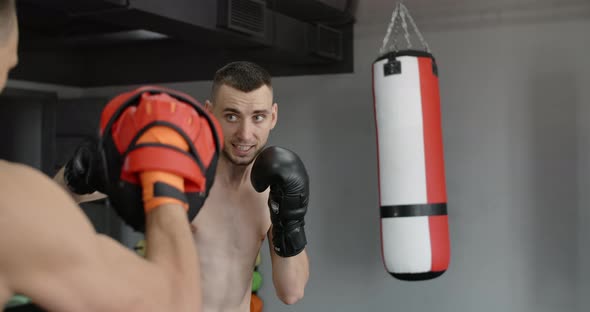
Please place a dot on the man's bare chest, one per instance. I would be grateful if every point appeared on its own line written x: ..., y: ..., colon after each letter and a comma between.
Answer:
x: 231, y: 225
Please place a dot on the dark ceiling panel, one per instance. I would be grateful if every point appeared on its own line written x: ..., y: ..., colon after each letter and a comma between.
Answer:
x: 98, y: 42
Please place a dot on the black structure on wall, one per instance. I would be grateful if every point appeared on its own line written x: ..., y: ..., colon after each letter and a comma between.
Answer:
x: 27, y: 128
x: 90, y: 43
x: 42, y: 131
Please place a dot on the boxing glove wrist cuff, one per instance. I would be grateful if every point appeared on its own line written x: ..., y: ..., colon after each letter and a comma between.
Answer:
x: 162, y: 188
x: 75, y: 181
x: 289, y: 240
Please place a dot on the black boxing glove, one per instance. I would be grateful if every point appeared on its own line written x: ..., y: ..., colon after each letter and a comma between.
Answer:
x: 285, y: 173
x: 83, y: 172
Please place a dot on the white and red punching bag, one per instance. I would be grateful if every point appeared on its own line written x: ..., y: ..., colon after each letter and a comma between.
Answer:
x: 412, y: 192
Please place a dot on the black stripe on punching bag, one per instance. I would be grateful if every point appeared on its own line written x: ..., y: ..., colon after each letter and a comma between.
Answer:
x: 418, y: 210
x: 417, y: 276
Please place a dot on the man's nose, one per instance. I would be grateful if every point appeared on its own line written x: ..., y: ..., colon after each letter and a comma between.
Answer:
x: 245, y: 130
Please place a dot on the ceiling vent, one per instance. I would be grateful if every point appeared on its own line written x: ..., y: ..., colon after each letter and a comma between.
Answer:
x: 246, y: 16
x: 325, y: 41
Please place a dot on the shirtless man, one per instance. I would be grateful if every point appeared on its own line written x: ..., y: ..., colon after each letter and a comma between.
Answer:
x: 236, y: 218
x: 53, y: 255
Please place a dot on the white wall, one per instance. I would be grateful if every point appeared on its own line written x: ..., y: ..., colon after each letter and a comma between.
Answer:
x: 515, y: 112
x: 514, y: 104
x: 515, y: 107
x: 516, y: 117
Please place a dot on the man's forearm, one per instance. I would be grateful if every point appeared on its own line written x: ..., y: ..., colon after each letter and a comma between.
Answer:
x: 289, y: 274
x: 59, y: 179
x: 170, y: 245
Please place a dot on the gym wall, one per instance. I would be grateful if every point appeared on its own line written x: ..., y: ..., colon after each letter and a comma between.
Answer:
x: 515, y: 105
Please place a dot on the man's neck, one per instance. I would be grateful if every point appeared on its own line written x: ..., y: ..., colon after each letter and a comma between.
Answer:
x: 232, y: 175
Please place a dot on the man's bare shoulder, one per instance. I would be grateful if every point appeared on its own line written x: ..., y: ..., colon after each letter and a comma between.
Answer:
x: 12, y: 174
x: 22, y: 182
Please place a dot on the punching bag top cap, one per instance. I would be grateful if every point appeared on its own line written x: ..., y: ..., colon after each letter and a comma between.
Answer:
x: 393, y: 66
x: 394, y: 54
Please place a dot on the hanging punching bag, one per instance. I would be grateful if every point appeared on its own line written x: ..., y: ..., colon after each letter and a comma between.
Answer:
x: 412, y: 193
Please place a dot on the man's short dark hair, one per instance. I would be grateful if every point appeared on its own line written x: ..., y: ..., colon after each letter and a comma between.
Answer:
x: 242, y: 75
x: 6, y: 19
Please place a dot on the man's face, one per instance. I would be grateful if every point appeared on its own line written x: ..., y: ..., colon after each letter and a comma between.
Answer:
x: 8, y: 53
x: 246, y: 120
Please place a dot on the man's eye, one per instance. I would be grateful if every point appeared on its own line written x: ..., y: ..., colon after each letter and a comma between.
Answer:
x: 259, y: 117
x: 231, y: 117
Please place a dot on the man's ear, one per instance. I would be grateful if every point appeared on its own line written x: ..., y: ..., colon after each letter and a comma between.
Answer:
x: 275, y: 114
x: 209, y: 106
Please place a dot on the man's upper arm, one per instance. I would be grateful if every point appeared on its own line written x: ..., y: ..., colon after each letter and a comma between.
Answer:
x: 111, y: 278
x: 56, y: 257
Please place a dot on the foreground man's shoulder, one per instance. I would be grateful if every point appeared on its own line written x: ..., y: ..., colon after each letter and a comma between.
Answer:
x: 18, y: 170
x: 16, y: 175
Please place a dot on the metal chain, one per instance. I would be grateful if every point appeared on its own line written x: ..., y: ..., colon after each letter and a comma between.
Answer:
x: 395, y: 36
x: 401, y: 11
x: 424, y: 43
x: 405, y: 26
x: 389, y: 28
